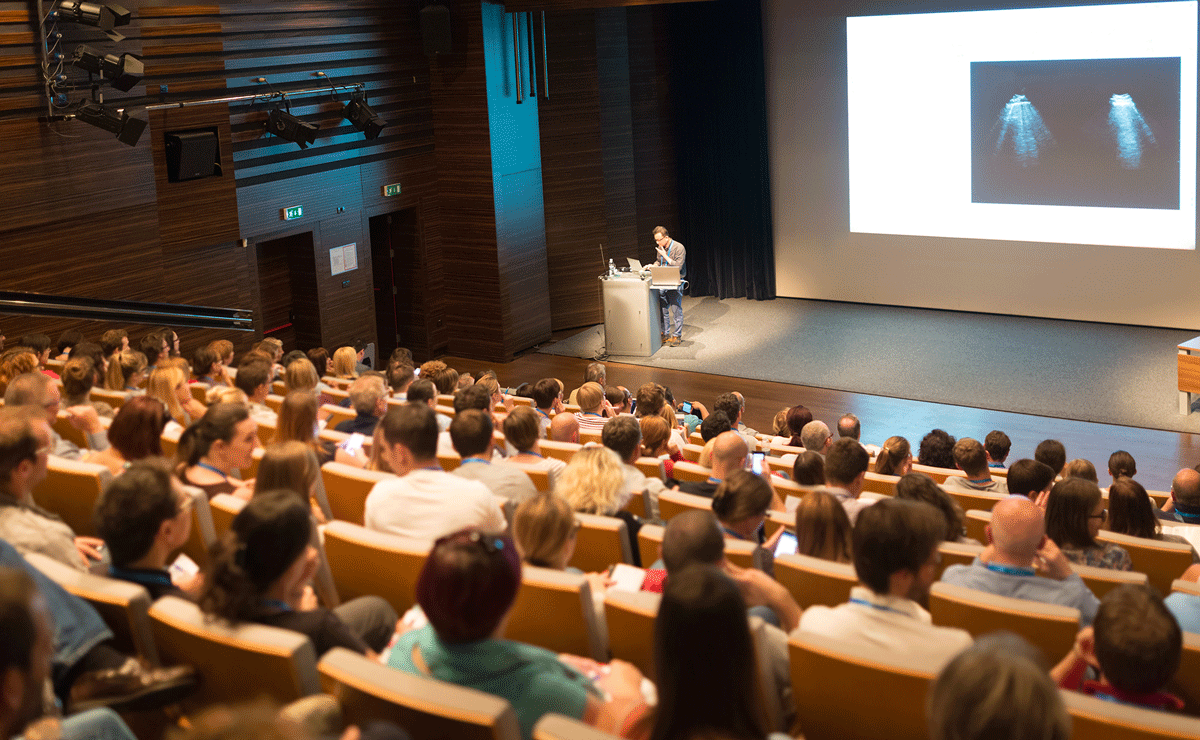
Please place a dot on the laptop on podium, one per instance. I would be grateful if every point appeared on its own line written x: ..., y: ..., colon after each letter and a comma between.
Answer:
x: 663, y: 276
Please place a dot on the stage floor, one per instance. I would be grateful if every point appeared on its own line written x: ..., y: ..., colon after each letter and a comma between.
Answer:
x: 1104, y: 373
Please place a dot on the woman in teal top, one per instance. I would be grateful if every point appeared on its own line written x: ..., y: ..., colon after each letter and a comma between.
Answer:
x: 466, y: 589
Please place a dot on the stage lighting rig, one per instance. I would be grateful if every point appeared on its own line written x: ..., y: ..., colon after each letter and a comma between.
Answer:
x: 290, y: 128
x: 122, y: 72
x: 105, y: 16
x: 363, y: 117
x: 119, y: 122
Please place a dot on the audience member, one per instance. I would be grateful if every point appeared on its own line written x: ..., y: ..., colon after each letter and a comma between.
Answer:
x: 297, y: 422
x: 154, y: 347
x: 596, y: 373
x: 734, y: 407
x: 797, y: 417
x: 594, y: 483
x: 79, y: 376
x: 39, y: 344
x: 254, y: 379
x: 996, y: 688
x: 16, y: 362
x: 443, y: 377
x: 809, y: 469
x: 816, y: 437
x: 920, y: 487
x: 1019, y: 549
x: 521, y: 431
x: 593, y: 407
x: 301, y: 375
x: 565, y: 428
x: 1137, y: 646
x: 1074, y: 513
x: 729, y: 454
x: 741, y: 504
x: 216, y: 448
x: 545, y: 530
x: 291, y: 466
x: 937, y: 450
x: 1121, y: 463
x: 823, y: 529
x: 656, y: 441
x: 1184, y: 505
x: 169, y: 386
x: 1080, y: 468
x: 466, y: 589
x: 970, y: 458
x: 41, y: 395
x: 69, y: 339
x: 1031, y: 479
x: 547, y: 401
x: 473, y: 397
x: 399, y: 377
x: 126, y: 372
x: 135, y: 433
x: 368, y: 396
x: 845, y: 470
x: 344, y: 361
x: 894, y: 458
x: 896, y: 559
x: 320, y: 359
x: 1131, y: 512
x: 424, y: 501
x: 1051, y: 452
x: 207, y: 366
x: 472, y: 435
x: 779, y: 427
x: 997, y: 445
x: 623, y: 435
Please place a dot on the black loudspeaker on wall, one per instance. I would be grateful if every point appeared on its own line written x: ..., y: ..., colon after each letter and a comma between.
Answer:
x: 435, y: 29
x: 192, y: 155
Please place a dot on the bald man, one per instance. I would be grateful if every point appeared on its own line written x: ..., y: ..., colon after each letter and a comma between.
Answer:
x: 1184, y: 504
x: 564, y: 428
x: 729, y: 454
x: 1019, y: 549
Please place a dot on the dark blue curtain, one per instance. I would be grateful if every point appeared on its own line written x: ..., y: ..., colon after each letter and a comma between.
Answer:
x: 720, y: 123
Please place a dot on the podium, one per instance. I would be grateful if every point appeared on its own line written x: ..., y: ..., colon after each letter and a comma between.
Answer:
x: 632, y: 317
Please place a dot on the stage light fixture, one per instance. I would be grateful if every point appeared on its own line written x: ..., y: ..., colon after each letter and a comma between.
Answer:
x: 105, y: 16
x: 122, y: 72
x: 127, y: 129
x: 363, y: 117
x: 289, y: 128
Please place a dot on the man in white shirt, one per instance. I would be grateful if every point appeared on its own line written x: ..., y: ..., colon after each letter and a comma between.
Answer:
x: 424, y: 502
x: 896, y: 559
x: 471, y: 434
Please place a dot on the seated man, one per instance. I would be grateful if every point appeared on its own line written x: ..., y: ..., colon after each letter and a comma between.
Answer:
x: 1019, y: 547
x: 473, y: 397
x: 845, y: 470
x: 40, y: 393
x: 1053, y: 453
x: 996, y: 444
x: 1137, y: 646
x: 623, y: 435
x: 816, y: 437
x: 368, y: 396
x: 565, y: 428
x: 595, y: 372
x: 424, y: 502
x: 547, y: 401
x: 850, y: 426
x: 1031, y: 479
x: 896, y: 558
x: 254, y: 379
x: 734, y: 406
x: 424, y: 391
x: 400, y: 377
x: 970, y: 457
x: 1184, y: 504
x: 729, y: 454
x: 145, y: 517
x: 593, y: 407
x: 471, y: 433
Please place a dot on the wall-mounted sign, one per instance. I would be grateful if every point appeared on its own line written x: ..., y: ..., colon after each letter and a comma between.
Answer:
x: 390, y: 190
x: 343, y: 259
x: 292, y: 212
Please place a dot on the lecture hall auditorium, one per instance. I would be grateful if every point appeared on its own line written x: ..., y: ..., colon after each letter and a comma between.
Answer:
x: 279, y: 457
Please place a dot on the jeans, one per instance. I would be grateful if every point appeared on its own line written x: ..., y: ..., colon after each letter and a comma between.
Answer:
x: 370, y: 617
x: 669, y: 299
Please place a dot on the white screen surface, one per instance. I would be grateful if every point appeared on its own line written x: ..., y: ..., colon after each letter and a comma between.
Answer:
x: 910, y: 128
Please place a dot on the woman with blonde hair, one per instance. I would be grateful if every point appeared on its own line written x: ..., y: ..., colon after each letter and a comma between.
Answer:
x: 894, y: 458
x: 344, y: 360
x: 169, y: 385
x: 301, y: 375
x: 1080, y: 468
x: 594, y: 483
x: 823, y: 529
x: 126, y: 372
x: 545, y: 529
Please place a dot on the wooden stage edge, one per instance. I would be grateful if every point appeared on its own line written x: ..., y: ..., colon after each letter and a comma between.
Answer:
x: 1159, y: 454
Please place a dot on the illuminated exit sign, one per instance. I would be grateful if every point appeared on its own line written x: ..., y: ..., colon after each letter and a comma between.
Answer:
x: 390, y: 190
x: 292, y: 212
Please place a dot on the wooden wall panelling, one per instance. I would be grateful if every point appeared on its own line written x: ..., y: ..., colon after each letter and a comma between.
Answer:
x: 573, y: 170
x: 322, y: 195
x: 612, y: 68
x: 347, y: 302
x: 653, y: 142
x: 193, y: 214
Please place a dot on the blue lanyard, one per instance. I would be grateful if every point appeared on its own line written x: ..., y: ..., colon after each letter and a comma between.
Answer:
x: 543, y: 413
x: 714, y: 480
x: 276, y: 604
x: 1009, y: 570
x: 156, y: 577
x: 878, y: 607
x: 466, y: 460
x: 592, y: 413
x: 219, y: 472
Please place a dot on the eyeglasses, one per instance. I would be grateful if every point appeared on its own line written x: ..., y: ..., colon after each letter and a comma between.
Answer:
x: 1101, y: 516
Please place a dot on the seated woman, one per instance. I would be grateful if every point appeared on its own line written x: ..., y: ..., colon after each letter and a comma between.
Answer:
x: 291, y: 466
x: 126, y: 372
x: 319, y: 357
x: 344, y: 361
x: 14, y: 362
x: 823, y: 528
x: 301, y: 375
x: 216, y: 448
x: 594, y: 483
x: 66, y: 341
x: 260, y: 572
x: 809, y: 469
x: 135, y: 434
x: 544, y: 528
x: 656, y: 441
x: 1131, y: 512
x: 797, y: 417
x: 894, y: 458
x: 521, y: 431
x: 169, y: 385
x: 1080, y: 468
x: 920, y: 487
x: 297, y: 422
x: 1074, y: 514
x: 466, y: 589
x: 79, y: 376
x: 1121, y: 465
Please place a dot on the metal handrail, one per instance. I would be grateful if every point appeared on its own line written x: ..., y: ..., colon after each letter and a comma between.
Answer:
x: 135, y: 312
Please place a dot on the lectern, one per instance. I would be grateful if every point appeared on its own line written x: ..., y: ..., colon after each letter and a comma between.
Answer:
x: 632, y: 323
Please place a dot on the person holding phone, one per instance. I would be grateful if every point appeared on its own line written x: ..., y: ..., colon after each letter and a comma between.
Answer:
x: 741, y: 503
x: 670, y: 253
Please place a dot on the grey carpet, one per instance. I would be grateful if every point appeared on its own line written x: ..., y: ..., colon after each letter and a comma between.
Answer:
x: 1066, y: 369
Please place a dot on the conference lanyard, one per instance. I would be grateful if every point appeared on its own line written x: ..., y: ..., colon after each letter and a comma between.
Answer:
x: 878, y: 607
x: 1009, y: 570
x: 218, y: 471
x: 466, y: 460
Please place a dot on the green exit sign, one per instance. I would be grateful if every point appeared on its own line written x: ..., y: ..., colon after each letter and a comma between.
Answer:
x: 390, y: 190
x: 293, y: 212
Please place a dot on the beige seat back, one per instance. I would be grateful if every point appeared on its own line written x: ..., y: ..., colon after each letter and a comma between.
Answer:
x: 685, y: 470
x: 586, y: 436
x: 559, y: 727
x: 255, y: 460
x: 337, y: 414
x: 976, y: 522
x: 832, y: 679
x: 692, y: 452
x: 671, y: 503
x: 977, y: 500
x: 203, y: 533
x: 1096, y: 719
x: 1103, y: 580
x: 364, y: 562
x: 116, y: 399
x: 630, y: 619
x: 1050, y: 627
x: 223, y: 508
x: 449, y: 461
x: 740, y: 552
x: 123, y: 606
x: 234, y: 663
x: 884, y: 484
x: 650, y: 537
x: 602, y: 541
x: 938, y: 474
x: 170, y: 440
x: 554, y: 610
x: 540, y: 477
x: 69, y: 432
x: 347, y: 487
x: 71, y: 489
x: 559, y: 450
x: 1162, y: 561
x: 813, y: 581
x: 1186, y: 684
x: 955, y: 553
x: 779, y: 449
x: 199, y: 391
x: 424, y: 707
x: 652, y: 467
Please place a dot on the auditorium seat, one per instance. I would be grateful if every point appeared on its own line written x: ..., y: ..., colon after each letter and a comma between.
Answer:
x: 559, y: 450
x: 976, y: 500
x: 449, y: 462
x: 274, y: 402
x: 692, y: 452
x: 1162, y: 561
x: 630, y: 619
x: 844, y: 691
x: 884, y: 484
x: 539, y: 476
x: 279, y: 388
x: 69, y: 432
x: 233, y: 663
x: 586, y: 436
x: 572, y: 408
x: 554, y: 610
x: 779, y: 449
x: 1050, y: 627
x: 814, y: 581
x: 224, y: 507
x: 170, y: 440
x: 601, y: 541
x: 336, y: 392
x: 116, y: 399
x: 777, y: 465
x: 424, y: 707
x: 651, y: 467
x: 560, y: 727
x: 123, y: 606
x: 71, y: 489
x: 938, y: 474
x: 1187, y: 587
x: 740, y: 552
x: 347, y: 487
x: 203, y: 534
x: 685, y: 470
x: 784, y: 487
x: 976, y: 522
x: 696, y: 438
x: 255, y: 458
x: 520, y: 401
x: 199, y: 391
x: 336, y: 415
x: 445, y: 399
x: 649, y: 543
x: 957, y: 553
x: 1103, y: 580
x: 1186, y: 683
x: 1097, y: 719
x: 671, y: 503
x: 364, y: 562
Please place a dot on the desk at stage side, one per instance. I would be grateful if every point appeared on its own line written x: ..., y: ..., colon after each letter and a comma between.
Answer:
x: 1189, y: 373
x: 632, y: 323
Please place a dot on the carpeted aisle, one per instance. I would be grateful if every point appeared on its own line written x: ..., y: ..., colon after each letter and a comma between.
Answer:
x: 1072, y: 370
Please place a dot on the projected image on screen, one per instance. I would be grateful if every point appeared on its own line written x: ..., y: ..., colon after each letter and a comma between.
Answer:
x: 1076, y: 132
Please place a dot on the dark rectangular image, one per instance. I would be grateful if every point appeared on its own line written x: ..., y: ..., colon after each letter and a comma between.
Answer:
x: 1076, y: 132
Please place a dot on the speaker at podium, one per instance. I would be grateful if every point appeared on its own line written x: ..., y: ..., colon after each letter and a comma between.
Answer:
x: 632, y: 317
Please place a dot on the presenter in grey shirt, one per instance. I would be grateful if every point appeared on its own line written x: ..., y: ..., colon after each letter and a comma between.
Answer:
x: 670, y: 253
